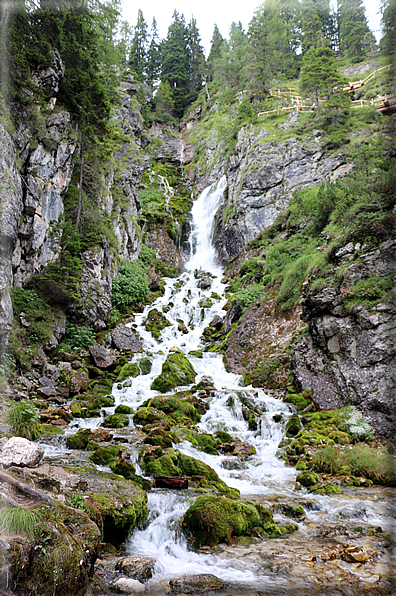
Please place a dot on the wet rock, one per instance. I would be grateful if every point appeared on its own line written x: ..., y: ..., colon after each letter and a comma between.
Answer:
x: 307, y: 479
x: 128, y: 586
x: 131, y: 369
x: 232, y: 315
x: 116, y: 421
x: 101, y: 435
x: 217, y: 322
x: 103, y: 358
x: 196, y: 583
x: 137, y: 568
x: 156, y: 322
x: 105, y: 454
x: 79, y: 440
x: 21, y: 452
x: 244, y: 449
x: 205, y: 283
x: 176, y: 371
x: 165, y: 249
x: 154, y: 286
x: 124, y: 339
x: 230, y: 464
x: 46, y: 382
x: 290, y: 509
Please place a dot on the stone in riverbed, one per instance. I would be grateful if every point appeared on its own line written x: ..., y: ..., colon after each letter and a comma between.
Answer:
x: 103, y: 358
x: 140, y: 569
x: 21, y: 452
x: 176, y: 371
x: 196, y: 583
x: 127, y: 586
x: 124, y: 339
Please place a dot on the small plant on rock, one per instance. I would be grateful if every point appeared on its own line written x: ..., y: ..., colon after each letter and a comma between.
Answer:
x: 23, y: 417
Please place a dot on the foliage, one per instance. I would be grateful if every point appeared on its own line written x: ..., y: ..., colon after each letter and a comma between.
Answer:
x: 249, y: 294
x: 358, y: 426
x: 18, y: 520
x: 319, y: 73
x: 77, y: 336
x: 130, y: 286
x: 23, y: 416
x: 357, y: 460
x: 355, y: 35
x: 147, y: 255
x: 76, y: 500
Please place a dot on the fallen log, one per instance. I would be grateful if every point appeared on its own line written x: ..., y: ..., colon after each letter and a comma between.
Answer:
x: 170, y: 482
x: 25, y: 488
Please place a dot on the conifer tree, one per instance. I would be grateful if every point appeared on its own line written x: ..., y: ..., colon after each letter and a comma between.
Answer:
x: 217, y: 42
x: 164, y: 104
x: 311, y: 26
x: 137, y: 55
x: 175, y: 62
x: 124, y: 43
x: 231, y: 66
x: 388, y: 42
x: 353, y: 28
x: 153, y: 67
x: 328, y: 21
x: 319, y: 74
x: 196, y: 59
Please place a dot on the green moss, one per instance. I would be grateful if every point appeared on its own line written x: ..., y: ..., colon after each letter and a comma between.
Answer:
x: 308, y: 479
x: 197, y: 353
x: 131, y: 369
x: 122, y: 409
x: 105, y: 454
x: 325, y: 489
x: 204, y: 441
x: 211, y: 520
x: 297, y: 400
x: 177, y: 408
x: 290, y: 509
x: 79, y: 440
x: 293, y: 426
x: 176, y: 370
x: 116, y: 421
x: 162, y: 466
x: 145, y: 366
x: 156, y: 322
x: 147, y: 415
x: 50, y: 429
x: 123, y: 467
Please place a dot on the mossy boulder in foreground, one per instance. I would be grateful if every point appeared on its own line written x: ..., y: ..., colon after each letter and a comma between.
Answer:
x: 217, y: 519
x: 131, y: 369
x: 176, y: 371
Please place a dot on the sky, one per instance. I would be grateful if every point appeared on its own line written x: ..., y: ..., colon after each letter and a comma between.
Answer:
x: 209, y: 12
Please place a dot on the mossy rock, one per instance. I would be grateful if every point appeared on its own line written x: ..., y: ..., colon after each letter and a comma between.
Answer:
x: 122, y: 409
x: 308, y: 479
x: 71, y: 544
x: 293, y: 510
x: 293, y: 426
x: 340, y: 437
x: 211, y: 520
x: 76, y: 408
x: 298, y: 400
x: 105, y: 454
x: 325, y: 488
x: 131, y: 369
x: 117, y: 505
x: 123, y: 467
x: 223, y: 437
x: 176, y: 371
x: 196, y: 353
x: 156, y: 322
x: 277, y: 417
x: 49, y: 430
x: 179, y: 407
x: 159, y: 437
x: 161, y: 466
x: 147, y: 415
x: 145, y: 366
x: 204, y: 441
x: 116, y: 421
x: 79, y: 440
x: 301, y: 465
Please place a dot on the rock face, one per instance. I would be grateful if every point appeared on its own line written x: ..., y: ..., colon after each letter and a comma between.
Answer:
x: 124, y: 339
x: 351, y: 356
x: 21, y: 452
x: 11, y: 205
x: 261, y: 178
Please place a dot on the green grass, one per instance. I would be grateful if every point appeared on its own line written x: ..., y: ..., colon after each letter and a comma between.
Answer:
x: 357, y: 460
x: 17, y: 520
x: 23, y: 417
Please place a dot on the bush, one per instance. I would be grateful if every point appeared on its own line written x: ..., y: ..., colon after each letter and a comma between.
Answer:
x: 79, y: 337
x: 147, y: 255
x: 23, y: 417
x: 358, y: 426
x: 130, y: 286
x: 248, y: 295
x: 368, y: 291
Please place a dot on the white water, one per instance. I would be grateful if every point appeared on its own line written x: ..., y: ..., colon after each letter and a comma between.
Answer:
x: 263, y: 476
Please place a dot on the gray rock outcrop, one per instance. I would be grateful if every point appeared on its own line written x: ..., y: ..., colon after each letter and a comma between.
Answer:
x: 262, y: 177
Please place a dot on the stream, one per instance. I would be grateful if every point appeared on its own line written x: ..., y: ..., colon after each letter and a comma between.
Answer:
x: 301, y: 562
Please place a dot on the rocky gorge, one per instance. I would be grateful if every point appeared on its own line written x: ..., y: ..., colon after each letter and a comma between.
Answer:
x: 137, y: 404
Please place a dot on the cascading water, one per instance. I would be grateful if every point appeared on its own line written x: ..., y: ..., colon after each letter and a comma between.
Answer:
x: 262, y: 477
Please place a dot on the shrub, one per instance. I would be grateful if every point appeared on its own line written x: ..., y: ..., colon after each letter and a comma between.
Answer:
x: 358, y: 426
x: 130, y: 286
x: 147, y: 255
x: 79, y: 337
x: 249, y: 294
x: 368, y: 291
x: 23, y: 417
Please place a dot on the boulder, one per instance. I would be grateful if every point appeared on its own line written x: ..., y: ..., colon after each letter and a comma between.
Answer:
x: 194, y: 584
x: 176, y: 371
x: 124, y: 339
x: 140, y: 569
x: 78, y: 382
x: 127, y: 586
x: 103, y: 358
x: 21, y: 452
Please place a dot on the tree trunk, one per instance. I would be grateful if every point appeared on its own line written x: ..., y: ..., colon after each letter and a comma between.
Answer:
x: 79, y: 206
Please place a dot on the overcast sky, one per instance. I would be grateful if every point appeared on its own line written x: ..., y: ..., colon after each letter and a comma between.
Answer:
x: 209, y: 12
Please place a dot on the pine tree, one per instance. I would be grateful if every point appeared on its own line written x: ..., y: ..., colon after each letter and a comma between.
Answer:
x: 217, y: 42
x: 164, y: 104
x: 328, y: 20
x: 353, y: 29
x: 175, y: 63
x: 231, y: 66
x: 319, y: 74
x: 125, y: 41
x: 137, y: 55
x: 153, y: 68
x: 388, y: 42
x: 196, y: 59
x: 311, y: 26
